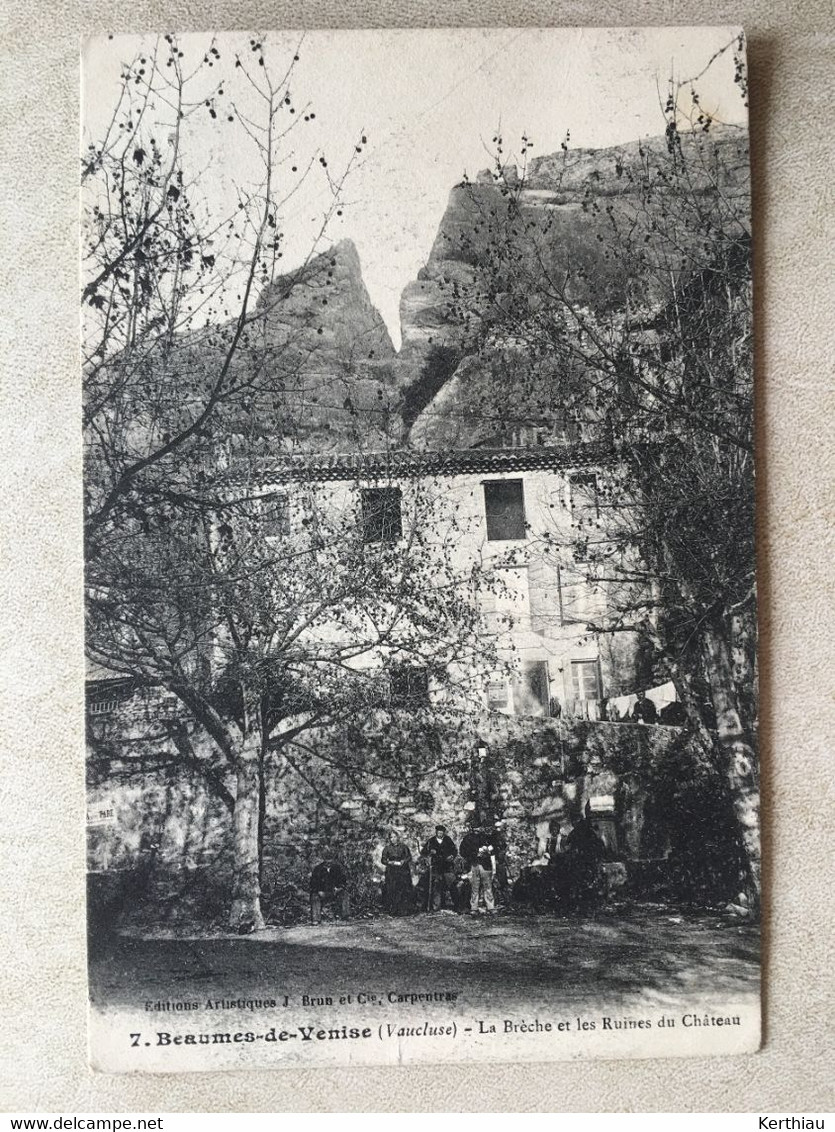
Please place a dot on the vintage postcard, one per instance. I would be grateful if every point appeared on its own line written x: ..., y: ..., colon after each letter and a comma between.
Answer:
x: 421, y: 627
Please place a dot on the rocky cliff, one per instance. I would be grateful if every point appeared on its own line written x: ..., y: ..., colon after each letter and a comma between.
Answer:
x: 334, y: 380
x: 570, y: 204
x: 327, y: 361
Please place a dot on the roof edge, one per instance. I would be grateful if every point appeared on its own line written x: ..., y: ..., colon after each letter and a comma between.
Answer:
x: 408, y: 463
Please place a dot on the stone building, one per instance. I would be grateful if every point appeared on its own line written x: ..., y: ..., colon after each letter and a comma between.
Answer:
x: 518, y: 515
x: 528, y: 741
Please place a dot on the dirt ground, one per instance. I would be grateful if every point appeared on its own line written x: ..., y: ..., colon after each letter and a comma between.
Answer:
x: 647, y: 955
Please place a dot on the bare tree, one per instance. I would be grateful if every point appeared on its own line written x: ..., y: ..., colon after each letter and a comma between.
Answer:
x: 278, y: 614
x: 172, y: 332
x: 179, y: 359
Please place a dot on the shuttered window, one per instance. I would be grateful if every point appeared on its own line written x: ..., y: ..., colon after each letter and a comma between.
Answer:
x: 545, y: 594
x: 512, y: 598
x: 576, y: 593
x: 497, y: 694
x: 275, y: 516
x: 409, y: 686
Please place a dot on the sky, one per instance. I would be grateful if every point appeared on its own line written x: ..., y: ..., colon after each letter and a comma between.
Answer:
x: 428, y: 104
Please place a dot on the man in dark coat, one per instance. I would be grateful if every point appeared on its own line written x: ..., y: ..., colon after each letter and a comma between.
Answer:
x: 585, y: 850
x: 478, y: 850
x: 328, y: 882
x: 673, y: 714
x: 584, y: 840
x: 440, y: 852
x: 644, y: 710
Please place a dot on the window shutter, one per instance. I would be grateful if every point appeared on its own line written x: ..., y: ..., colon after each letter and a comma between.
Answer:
x: 487, y: 605
x: 544, y: 591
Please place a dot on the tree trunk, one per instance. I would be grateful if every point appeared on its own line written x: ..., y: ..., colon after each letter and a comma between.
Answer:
x: 262, y: 809
x: 732, y: 756
x: 739, y: 757
x: 245, y: 915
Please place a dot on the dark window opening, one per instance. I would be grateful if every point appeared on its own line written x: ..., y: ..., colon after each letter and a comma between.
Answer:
x: 381, y: 516
x: 584, y: 493
x: 226, y: 538
x: 275, y: 516
x: 504, y: 508
x: 408, y: 686
x: 605, y: 826
x: 107, y: 696
x: 530, y: 691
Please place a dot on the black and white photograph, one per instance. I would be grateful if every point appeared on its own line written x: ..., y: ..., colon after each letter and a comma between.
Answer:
x: 420, y: 595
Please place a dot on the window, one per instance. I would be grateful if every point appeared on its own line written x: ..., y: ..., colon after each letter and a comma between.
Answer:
x: 505, y: 600
x: 497, y: 694
x: 544, y: 587
x: 102, y: 707
x: 275, y: 516
x: 585, y: 679
x: 584, y: 494
x: 504, y: 508
x: 381, y: 519
x: 408, y: 686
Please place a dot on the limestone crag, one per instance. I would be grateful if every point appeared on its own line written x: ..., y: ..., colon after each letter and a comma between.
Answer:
x: 570, y: 202
x: 334, y: 382
x: 333, y: 355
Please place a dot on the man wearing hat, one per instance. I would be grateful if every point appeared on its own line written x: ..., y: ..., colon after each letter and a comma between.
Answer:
x: 328, y: 882
x: 478, y: 850
x: 439, y: 851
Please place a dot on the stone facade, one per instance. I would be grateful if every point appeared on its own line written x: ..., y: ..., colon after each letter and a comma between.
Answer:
x: 153, y: 818
x: 522, y: 517
x: 524, y: 742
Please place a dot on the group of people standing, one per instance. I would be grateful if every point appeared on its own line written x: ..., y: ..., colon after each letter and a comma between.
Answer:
x: 451, y: 876
x: 473, y: 875
x: 479, y: 860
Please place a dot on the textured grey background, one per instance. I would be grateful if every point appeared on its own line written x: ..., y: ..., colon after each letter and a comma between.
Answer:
x: 42, y: 986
